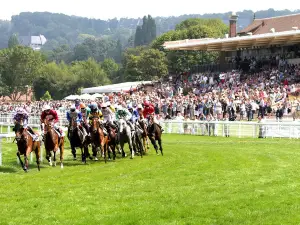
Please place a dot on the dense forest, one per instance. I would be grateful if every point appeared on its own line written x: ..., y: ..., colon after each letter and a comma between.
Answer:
x: 61, y: 29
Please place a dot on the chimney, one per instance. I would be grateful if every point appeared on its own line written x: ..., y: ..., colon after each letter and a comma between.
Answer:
x: 232, y: 25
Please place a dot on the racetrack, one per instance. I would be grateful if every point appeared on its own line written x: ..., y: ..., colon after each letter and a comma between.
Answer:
x: 199, y: 180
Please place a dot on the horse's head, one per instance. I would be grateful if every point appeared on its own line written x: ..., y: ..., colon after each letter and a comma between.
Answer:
x: 19, y: 132
x: 121, y: 124
x: 95, y: 124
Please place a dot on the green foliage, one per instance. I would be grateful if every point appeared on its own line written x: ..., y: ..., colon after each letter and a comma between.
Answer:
x: 13, y: 41
x: 180, y: 61
x: 146, y: 33
x: 46, y: 96
x: 144, y: 64
x: 19, y: 67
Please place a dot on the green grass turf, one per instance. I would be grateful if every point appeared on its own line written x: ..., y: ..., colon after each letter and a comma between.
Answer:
x: 199, y: 180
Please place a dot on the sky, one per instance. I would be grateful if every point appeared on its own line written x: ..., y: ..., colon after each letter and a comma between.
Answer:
x: 103, y: 9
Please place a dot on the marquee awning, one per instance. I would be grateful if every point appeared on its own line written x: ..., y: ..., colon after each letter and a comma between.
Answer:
x: 236, y: 43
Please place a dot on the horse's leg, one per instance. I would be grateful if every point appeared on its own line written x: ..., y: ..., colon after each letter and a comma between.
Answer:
x: 160, y: 146
x: 62, y: 150
x: 131, y: 148
x: 54, y: 158
x: 83, y: 158
x: 113, y: 148
x: 122, y: 148
x: 152, y: 139
x: 48, y: 157
x: 73, y: 150
x: 19, y: 157
x: 37, y: 150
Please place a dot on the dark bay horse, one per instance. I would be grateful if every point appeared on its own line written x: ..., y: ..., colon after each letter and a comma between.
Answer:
x: 98, y: 139
x: 53, y: 143
x: 155, y: 135
x: 26, y: 145
x: 112, y: 141
x: 75, y: 136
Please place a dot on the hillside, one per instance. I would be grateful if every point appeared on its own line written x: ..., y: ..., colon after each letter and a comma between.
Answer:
x: 61, y: 29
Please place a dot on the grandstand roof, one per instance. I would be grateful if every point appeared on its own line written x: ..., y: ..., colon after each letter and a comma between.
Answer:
x: 235, y: 43
x: 279, y: 24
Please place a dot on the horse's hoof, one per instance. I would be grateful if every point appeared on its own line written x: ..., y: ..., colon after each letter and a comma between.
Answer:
x: 96, y: 159
x: 61, y: 166
x: 91, y: 158
x: 74, y: 158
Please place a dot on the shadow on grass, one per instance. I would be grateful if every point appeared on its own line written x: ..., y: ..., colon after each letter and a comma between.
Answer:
x: 8, y: 170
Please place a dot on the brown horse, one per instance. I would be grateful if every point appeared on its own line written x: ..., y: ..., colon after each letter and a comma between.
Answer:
x: 53, y: 143
x: 155, y: 135
x: 98, y: 139
x: 26, y: 145
x: 143, y: 125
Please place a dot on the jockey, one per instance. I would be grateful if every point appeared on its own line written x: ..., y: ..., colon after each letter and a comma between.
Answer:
x: 140, y: 110
x: 111, y: 107
x: 134, y: 112
x: 108, y: 115
x: 77, y: 104
x: 95, y: 112
x: 52, y: 116
x: 85, y: 112
x: 75, y: 114
x: 123, y: 113
x: 149, y: 111
x: 21, y: 117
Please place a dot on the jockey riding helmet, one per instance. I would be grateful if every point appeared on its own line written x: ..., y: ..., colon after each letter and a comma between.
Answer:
x: 82, y: 106
x: 46, y: 108
x: 146, y: 104
x: 129, y: 106
x: 72, y: 108
x: 21, y: 111
x: 103, y: 105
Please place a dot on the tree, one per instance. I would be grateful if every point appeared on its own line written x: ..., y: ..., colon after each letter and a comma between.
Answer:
x: 13, y: 41
x: 146, y: 33
x: 89, y: 73
x: 195, y: 28
x: 153, y: 64
x: 110, y: 68
x: 19, y: 66
x: 46, y: 96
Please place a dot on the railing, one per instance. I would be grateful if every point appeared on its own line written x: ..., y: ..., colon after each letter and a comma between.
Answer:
x: 288, y: 129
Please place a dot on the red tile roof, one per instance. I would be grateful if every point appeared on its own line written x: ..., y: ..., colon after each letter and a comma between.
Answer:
x: 280, y: 23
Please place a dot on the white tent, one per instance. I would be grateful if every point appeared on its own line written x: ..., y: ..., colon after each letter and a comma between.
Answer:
x: 86, y: 97
x: 97, y: 95
x: 114, y: 87
x: 72, y: 97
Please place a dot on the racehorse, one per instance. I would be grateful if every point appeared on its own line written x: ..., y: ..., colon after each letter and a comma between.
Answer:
x: 75, y: 136
x: 112, y: 141
x: 124, y: 136
x: 137, y: 139
x: 155, y: 135
x: 143, y: 125
x: 53, y: 143
x: 26, y: 145
x: 98, y: 139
